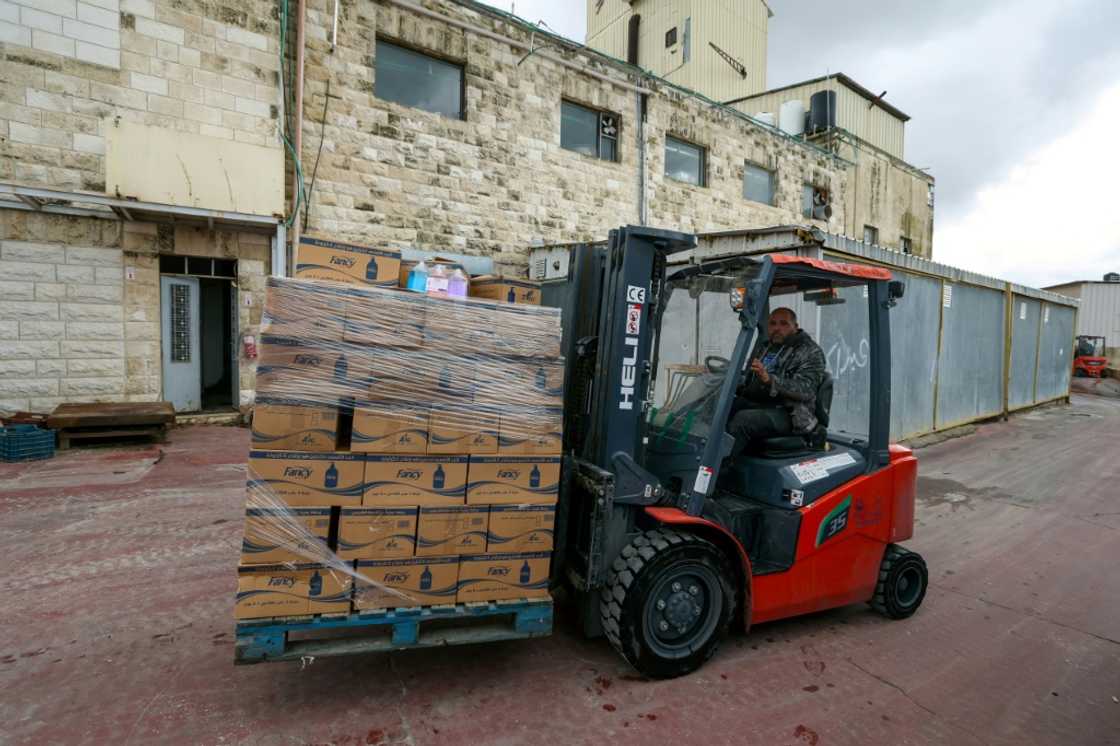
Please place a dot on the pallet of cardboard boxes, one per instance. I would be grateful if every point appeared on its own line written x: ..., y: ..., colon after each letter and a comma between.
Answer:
x: 405, y: 448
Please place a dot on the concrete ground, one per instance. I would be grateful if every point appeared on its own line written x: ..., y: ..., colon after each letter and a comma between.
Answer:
x: 117, y: 628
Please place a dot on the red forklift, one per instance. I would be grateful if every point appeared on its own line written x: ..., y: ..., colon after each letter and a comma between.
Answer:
x: 1091, y: 358
x: 664, y: 537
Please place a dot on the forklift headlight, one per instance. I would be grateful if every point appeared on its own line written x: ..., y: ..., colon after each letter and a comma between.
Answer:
x: 738, y: 297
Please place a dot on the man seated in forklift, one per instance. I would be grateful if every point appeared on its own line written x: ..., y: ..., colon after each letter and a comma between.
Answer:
x: 779, y: 394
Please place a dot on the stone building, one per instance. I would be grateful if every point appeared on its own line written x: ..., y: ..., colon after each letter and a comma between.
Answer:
x: 141, y: 151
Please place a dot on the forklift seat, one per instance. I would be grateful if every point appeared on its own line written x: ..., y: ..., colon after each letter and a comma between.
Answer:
x: 786, y: 445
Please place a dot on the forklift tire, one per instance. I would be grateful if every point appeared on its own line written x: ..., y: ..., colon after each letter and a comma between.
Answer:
x: 903, y: 580
x: 667, y: 603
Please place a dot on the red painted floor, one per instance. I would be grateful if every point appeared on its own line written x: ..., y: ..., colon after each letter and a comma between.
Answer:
x: 119, y: 581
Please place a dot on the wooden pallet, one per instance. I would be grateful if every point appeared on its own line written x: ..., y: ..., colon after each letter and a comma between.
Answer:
x: 115, y: 421
x: 260, y: 640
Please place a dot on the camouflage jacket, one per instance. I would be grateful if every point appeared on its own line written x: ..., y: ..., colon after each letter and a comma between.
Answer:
x: 796, y: 368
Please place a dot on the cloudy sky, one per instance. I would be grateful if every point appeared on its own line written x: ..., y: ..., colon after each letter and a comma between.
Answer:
x: 1015, y: 106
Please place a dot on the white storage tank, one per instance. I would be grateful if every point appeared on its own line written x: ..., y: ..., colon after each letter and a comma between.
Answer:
x: 791, y: 118
x: 766, y: 117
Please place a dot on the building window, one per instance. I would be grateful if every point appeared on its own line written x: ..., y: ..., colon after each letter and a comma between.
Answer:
x: 814, y: 203
x: 593, y: 133
x: 413, y: 79
x: 871, y: 235
x: 907, y: 247
x: 671, y: 37
x: 684, y: 161
x: 758, y: 184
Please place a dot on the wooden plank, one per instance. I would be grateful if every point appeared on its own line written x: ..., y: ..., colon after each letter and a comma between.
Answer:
x: 111, y: 414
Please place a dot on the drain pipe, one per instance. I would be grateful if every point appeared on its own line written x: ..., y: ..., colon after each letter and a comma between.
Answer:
x: 298, y: 134
x: 640, y: 118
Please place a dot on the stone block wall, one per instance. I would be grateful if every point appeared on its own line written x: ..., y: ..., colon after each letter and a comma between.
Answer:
x: 184, y: 65
x: 80, y: 305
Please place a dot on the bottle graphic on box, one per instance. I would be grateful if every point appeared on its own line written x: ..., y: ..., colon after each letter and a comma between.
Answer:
x: 371, y: 269
x: 438, y: 478
x: 317, y: 584
x: 330, y: 481
x: 426, y: 579
x: 511, y: 296
x: 535, y: 477
x: 341, y: 368
x: 542, y: 379
x: 526, y: 573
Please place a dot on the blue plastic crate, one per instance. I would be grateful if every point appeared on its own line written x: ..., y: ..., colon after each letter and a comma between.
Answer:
x: 26, y: 443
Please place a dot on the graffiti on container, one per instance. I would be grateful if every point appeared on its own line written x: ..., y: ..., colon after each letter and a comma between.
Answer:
x: 843, y: 358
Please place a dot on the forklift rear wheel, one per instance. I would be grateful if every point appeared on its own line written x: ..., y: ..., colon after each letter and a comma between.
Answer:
x: 903, y: 580
x: 668, y: 602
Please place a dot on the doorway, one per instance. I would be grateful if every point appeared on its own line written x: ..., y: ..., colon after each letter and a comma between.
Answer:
x: 198, y: 299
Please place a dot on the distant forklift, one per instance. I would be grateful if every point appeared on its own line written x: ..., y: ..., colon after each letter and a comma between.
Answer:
x: 1091, y: 358
x: 665, y: 538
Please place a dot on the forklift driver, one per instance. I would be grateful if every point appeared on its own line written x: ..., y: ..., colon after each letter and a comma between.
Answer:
x: 779, y: 393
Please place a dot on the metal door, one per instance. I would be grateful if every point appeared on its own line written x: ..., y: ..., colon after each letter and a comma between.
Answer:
x: 182, y: 369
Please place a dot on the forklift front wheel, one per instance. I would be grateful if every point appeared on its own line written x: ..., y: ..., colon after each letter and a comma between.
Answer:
x: 668, y: 602
x: 903, y: 579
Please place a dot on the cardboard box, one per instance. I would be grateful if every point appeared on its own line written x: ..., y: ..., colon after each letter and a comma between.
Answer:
x: 463, y: 430
x: 424, y: 581
x: 285, y: 535
x: 386, y: 318
x: 506, y: 290
x: 460, y: 326
x: 531, y: 431
x: 402, y: 481
x: 513, y: 480
x: 305, y: 479
x: 376, y: 533
x: 291, y: 590
x: 507, y: 381
x: 294, y: 425
x: 322, y: 259
x: 308, y: 370
x: 520, y: 528
x: 445, y: 531
x: 500, y: 577
x: 389, y: 427
x: 421, y: 377
x: 303, y: 310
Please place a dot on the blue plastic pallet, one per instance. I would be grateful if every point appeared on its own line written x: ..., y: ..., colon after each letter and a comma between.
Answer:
x: 394, y: 629
x: 26, y: 443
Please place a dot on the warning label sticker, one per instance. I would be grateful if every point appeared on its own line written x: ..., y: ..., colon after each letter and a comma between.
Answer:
x: 633, y: 320
x: 703, y: 480
x: 808, y: 471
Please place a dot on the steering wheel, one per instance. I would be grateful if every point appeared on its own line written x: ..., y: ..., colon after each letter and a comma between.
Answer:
x: 716, y: 364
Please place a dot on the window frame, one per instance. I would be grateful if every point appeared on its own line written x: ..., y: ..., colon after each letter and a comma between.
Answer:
x: 874, y: 234
x: 811, y: 187
x: 599, y: 136
x: 457, y: 63
x: 905, y: 245
x: 671, y: 38
x: 703, y: 182
x: 772, y: 173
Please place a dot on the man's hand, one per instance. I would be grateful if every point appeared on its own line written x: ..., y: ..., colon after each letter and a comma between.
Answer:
x: 760, y: 371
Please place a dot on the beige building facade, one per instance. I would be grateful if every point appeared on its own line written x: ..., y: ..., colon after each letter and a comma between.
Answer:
x: 173, y: 137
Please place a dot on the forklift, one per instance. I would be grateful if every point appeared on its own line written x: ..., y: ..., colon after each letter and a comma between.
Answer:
x: 1090, y: 358
x: 667, y: 535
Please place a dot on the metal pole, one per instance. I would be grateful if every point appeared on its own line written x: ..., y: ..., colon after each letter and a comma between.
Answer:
x: 298, y: 135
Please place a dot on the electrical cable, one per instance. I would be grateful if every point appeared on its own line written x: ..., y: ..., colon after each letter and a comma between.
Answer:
x: 315, y: 170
